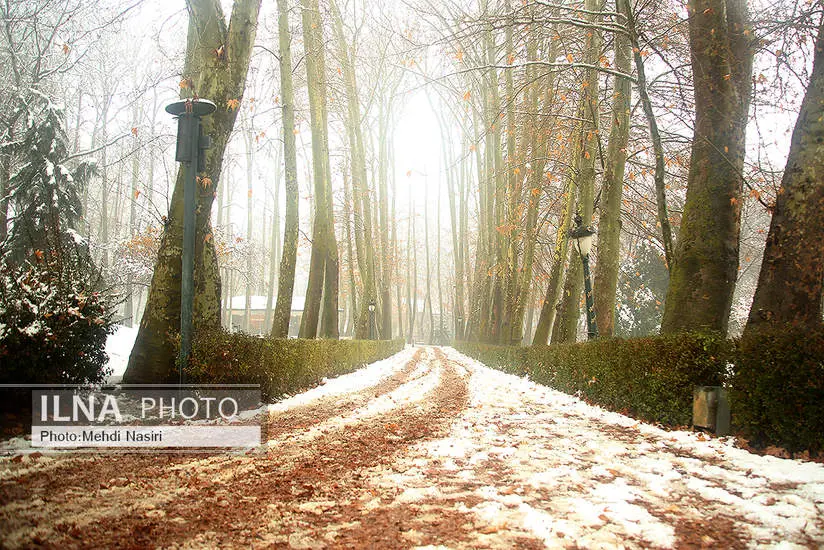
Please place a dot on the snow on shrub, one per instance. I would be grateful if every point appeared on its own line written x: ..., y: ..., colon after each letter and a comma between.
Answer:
x: 53, y: 322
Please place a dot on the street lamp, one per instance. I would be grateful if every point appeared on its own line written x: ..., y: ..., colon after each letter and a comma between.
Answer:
x: 583, y: 241
x: 372, y: 319
x: 460, y: 328
x: 189, y: 151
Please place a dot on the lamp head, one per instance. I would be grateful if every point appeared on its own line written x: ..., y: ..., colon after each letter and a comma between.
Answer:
x: 198, y: 107
x: 582, y: 235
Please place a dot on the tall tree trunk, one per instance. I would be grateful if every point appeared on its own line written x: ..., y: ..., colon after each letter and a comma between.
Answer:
x: 286, y: 273
x: 104, y: 188
x: 497, y: 197
x: 537, y: 136
x: 546, y: 319
x: 792, y: 272
x: 323, y: 263
x: 570, y: 313
x: 250, y: 207
x: 221, y: 79
x: 438, y: 265
x: 275, y: 250
x: 353, y: 285
x: 512, y: 191
x: 428, y: 299
x: 609, y: 221
x: 386, y: 245
x: 412, y: 272
x: 129, y: 312
x: 360, y: 185
x: 703, y: 275
x: 530, y: 316
x: 658, y: 148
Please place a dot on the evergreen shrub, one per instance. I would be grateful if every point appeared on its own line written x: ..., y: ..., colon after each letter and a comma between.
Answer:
x: 53, y: 322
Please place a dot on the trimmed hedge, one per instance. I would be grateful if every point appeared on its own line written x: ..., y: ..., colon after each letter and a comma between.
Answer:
x: 649, y: 378
x: 777, y: 395
x: 280, y: 366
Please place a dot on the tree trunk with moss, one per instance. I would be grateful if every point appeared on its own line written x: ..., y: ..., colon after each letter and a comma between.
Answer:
x: 609, y: 221
x: 220, y: 77
x: 566, y: 326
x: 546, y: 319
x: 323, y: 263
x: 792, y: 272
x: 705, y: 267
x: 286, y: 274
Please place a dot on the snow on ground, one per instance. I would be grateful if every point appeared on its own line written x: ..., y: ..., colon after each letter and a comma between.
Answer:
x: 421, y: 382
x: 525, y: 458
x: 348, y: 383
x: 119, y: 346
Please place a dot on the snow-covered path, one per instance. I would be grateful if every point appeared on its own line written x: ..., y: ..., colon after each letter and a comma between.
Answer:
x: 426, y: 449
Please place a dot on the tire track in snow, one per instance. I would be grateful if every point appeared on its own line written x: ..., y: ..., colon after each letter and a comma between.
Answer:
x: 223, y: 493
x: 64, y: 494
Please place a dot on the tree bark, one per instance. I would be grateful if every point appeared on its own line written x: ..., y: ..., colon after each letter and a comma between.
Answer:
x: 566, y: 326
x: 220, y: 78
x: 275, y: 251
x: 703, y: 275
x: 323, y: 263
x: 288, y: 261
x: 792, y: 272
x: 609, y: 221
x: 360, y: 186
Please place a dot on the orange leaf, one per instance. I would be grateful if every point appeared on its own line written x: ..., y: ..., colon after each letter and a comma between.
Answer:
x: 232, y: 104
x: 570, y: 58
x: 467, y: 95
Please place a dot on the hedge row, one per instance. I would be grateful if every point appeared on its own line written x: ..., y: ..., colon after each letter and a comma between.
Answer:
x: 280, y: 366
x: 777, y: 388
x: 649, y: 378
x: 775, y: 378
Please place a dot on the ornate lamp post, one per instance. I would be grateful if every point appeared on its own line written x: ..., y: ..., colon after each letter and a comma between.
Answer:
x: 190, y: 145
x: 583, y: 241
x: 372, y: 320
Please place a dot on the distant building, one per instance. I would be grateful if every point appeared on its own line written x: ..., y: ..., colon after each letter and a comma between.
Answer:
x: 257, y: 320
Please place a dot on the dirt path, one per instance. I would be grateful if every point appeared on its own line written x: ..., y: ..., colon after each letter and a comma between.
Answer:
x: 437, y: 451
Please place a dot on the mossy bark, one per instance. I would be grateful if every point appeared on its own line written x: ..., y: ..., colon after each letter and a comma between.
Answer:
x: 322, y: 288
x: 705, y: 267
x: 286, y: 274
x: 609, y: 221
x: 792, y: 272
x: 566, y: 326
x: 221, y: 78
